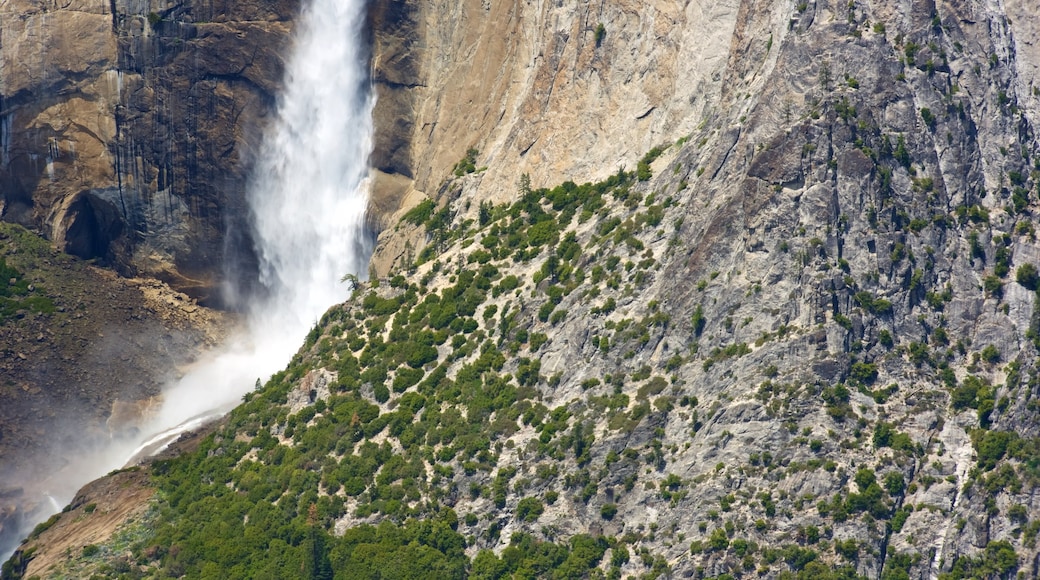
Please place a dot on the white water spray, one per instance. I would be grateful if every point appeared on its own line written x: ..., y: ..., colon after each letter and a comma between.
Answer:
x: 307, y: 199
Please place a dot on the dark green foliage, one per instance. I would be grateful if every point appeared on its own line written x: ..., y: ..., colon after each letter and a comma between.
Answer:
x: 600, y: 34
x: 974, y: 214
x: 849, y: 549
x: 420, y: 213
x: 991, y: 446
x: 885, y: 435
x: 918, y: 353
x: 869, y: 498
x: 836, y: 398
x: 484, y: 213
x: 990, y: 354
x: 798, y: 557
x: 90, y: 550
x: 1001, y: 259
x: 467, y: 164
x: 897, y: 567
x: 901, y: 153
x: 698, y: 321
x: 873, y: 305
x: 894, y: 483
x: 993, y: 286
x: 928, y: 117
x: 899, y: 518
x: 526, y: 557
x: 999, y: 560
x: 16, y: 293
x: 1027, y: 276
x: 529, y: 509
x: 863, y: 373
x: 718, y: 540
x: 969, y: 394
x: 1019, y: 199
x: 643, y: 172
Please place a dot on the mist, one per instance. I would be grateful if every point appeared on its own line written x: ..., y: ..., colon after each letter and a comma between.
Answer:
x: 307, y: 198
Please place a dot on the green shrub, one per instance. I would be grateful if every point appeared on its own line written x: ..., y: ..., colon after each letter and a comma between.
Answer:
x: 467, y: 164
x: 698, y: 321
x: 990, y: 354
x: 718, y: 540
x: 1027, y: 276
x: 643, y: 172
x: 545, y: 310
x: 381, y: 393
x: 928, y: 117
x: 420, y: 213
x: 993, y: 286
x: 864, y: 373
x: 90, y: 550
x: 894, y: 483
x: 529, y: 509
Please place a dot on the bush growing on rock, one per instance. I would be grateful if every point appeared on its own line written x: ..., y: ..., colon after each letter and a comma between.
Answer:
x: 1027, y: 276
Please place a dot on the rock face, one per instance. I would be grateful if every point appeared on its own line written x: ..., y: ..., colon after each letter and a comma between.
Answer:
x: 127, y: 129
x: 552, y: 89
x: 801, y: 335
x: 858, y: 184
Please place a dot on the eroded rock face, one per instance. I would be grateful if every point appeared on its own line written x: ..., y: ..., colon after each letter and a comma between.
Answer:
x: 557, y: 90
x: 128, y: 128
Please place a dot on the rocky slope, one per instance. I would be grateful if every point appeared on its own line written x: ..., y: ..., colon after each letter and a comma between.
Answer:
x: 797, y: 338
x: 83, y: 355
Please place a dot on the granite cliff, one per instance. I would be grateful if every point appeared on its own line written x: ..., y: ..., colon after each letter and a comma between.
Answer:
x: 128, y: 129
x: 737, y: 289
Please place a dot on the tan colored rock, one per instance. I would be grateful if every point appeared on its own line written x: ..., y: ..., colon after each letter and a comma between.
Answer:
x: 128, y: 137
x: 529, y: 85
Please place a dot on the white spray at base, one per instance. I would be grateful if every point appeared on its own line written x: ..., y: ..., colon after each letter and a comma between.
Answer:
x: 307, y: 198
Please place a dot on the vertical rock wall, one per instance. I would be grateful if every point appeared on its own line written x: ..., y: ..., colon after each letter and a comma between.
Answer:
x: 127, y: 128
x: 557, y: 90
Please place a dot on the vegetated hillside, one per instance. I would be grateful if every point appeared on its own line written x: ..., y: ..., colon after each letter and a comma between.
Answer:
x: 800, y: 341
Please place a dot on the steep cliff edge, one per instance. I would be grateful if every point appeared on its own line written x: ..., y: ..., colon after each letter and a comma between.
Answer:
x: 128, y: 128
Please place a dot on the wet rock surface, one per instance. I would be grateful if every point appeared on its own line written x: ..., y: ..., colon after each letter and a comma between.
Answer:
x: 129, y: 127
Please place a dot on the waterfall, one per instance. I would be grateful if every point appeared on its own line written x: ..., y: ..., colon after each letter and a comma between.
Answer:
x: 307, y: 199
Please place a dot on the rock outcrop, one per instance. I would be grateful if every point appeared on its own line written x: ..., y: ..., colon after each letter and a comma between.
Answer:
x: 84, y: 354
x: 555, y: 90
x: 128, y: 128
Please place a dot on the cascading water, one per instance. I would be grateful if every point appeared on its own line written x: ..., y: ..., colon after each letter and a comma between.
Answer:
x: 307, y: 200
